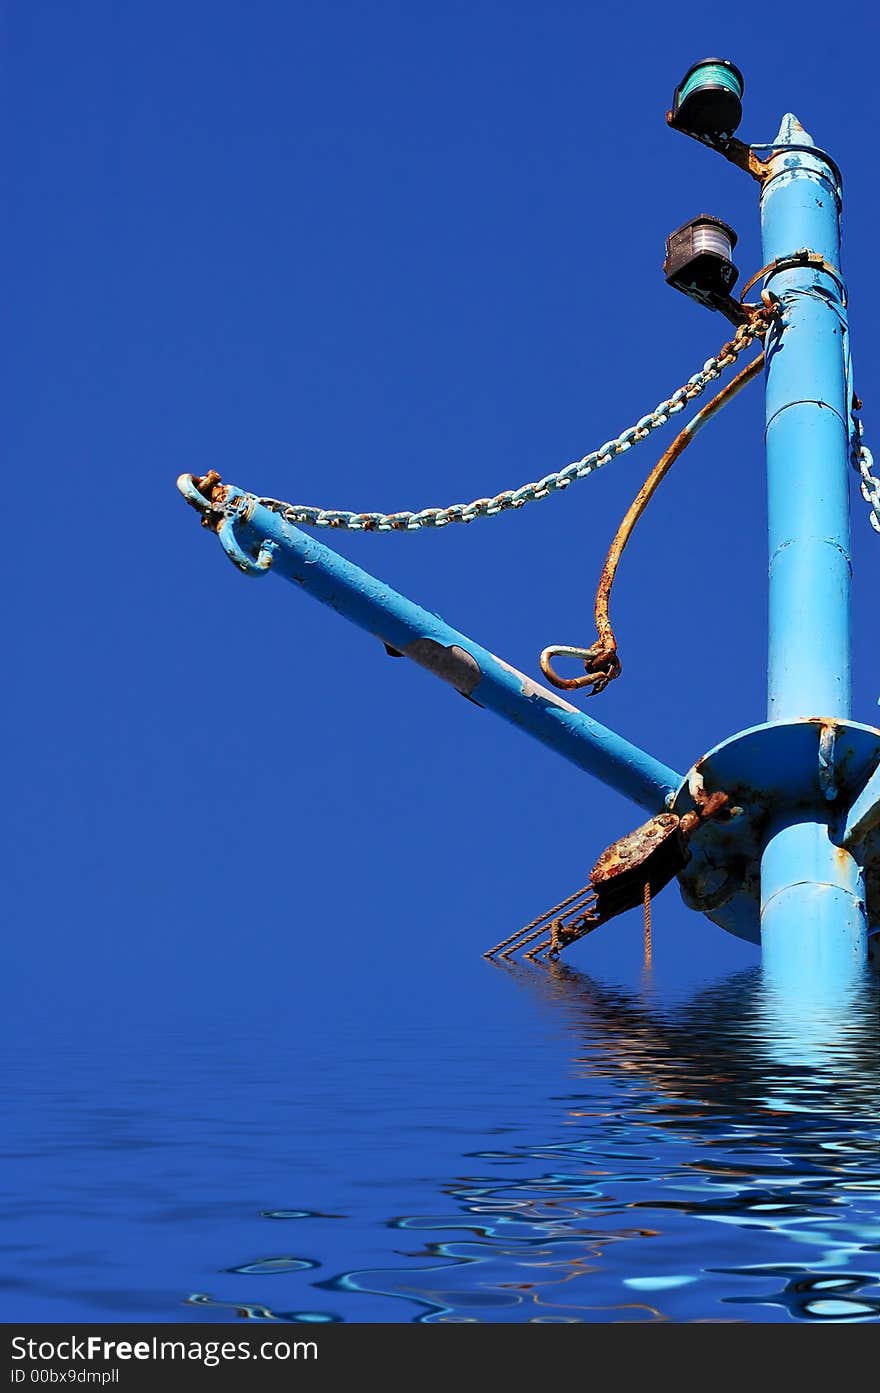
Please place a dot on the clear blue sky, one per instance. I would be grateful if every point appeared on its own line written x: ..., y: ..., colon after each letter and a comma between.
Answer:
x: 372, y: 256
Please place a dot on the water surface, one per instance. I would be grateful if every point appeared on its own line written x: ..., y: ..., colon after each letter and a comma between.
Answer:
x: 586, y: 1152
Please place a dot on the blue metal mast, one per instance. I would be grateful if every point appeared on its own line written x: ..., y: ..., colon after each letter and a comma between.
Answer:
x: 812, y: 891
x: 781, y: 820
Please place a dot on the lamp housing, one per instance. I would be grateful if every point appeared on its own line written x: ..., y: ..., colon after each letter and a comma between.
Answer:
x: 699, y: 261
x: 708, y: 100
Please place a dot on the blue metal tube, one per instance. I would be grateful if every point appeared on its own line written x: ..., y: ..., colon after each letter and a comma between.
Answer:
x: 813, y: 923
x: 807, y: 434
x: 812, y: 894
x: 257, y: 538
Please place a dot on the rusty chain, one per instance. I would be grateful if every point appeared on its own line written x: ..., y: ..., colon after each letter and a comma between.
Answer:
x: 303, y: 515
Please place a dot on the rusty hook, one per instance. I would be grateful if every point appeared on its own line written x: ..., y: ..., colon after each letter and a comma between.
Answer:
x: 601, y: 666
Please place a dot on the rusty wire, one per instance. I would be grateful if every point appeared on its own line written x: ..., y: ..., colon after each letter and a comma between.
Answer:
x: 601, y: 661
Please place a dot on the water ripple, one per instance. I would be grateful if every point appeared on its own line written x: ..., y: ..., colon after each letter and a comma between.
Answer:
x: 728, y: 1110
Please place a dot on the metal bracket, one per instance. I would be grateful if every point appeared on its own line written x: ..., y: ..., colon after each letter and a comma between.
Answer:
x: 736, y: 151
x: 829, y: 769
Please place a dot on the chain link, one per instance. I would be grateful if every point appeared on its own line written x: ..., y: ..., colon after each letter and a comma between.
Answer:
x: 302, y: 515
x: 864, y: 462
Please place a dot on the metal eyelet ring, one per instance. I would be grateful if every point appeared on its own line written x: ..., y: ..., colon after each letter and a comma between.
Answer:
x: 248, y: 564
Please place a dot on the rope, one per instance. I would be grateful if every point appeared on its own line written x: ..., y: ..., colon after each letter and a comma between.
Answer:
x: 647, y: 923
x: 585, y: 891
x: 601, y: 662
x: 301, y: 514
x: 563, y: 934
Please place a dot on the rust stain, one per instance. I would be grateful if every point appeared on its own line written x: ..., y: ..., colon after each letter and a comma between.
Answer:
x: 708, y: 805
x: 632, y: 849
x: 214, y: 492
x: 652, y: 854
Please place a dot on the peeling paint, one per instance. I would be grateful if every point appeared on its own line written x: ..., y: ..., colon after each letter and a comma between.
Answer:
x: 453, y: 664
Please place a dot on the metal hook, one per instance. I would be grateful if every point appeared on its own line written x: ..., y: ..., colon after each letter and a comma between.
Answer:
x: 602, y: 667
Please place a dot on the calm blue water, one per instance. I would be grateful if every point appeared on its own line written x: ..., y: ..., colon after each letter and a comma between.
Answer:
x: 585, y: 1152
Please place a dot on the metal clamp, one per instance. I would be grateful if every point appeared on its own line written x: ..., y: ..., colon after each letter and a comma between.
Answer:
x: 803, y: 257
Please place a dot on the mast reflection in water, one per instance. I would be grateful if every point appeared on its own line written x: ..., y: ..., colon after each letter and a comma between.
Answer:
x: 717, y: 1160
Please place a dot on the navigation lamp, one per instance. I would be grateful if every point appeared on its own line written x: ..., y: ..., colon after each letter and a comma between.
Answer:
x: 708, y: 100
x: 698, y: 261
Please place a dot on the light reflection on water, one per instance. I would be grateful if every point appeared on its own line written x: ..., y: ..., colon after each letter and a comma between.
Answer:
x: 715, y: 1159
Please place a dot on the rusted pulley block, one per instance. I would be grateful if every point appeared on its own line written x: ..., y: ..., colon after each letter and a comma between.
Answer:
x: 651, y: 855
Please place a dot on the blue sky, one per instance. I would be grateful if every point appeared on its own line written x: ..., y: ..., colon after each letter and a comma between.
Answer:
x: 368, y: 256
